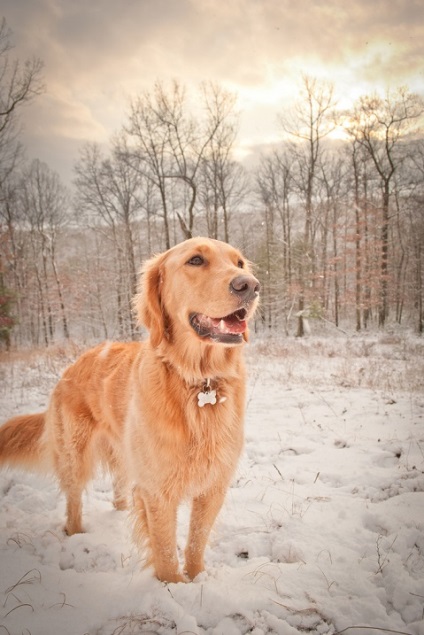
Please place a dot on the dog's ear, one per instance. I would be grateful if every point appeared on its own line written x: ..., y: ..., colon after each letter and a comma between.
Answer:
x: 149, y: 305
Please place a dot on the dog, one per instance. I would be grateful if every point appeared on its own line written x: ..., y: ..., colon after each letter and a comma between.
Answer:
x: 164, y: 415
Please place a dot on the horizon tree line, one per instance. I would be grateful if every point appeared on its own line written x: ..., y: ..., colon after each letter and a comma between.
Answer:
x: 335, y: 226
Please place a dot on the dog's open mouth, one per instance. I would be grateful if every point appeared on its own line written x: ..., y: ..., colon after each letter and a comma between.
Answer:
x: 227, y: 330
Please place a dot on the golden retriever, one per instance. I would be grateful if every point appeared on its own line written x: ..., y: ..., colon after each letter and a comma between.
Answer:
x: 164, y: 415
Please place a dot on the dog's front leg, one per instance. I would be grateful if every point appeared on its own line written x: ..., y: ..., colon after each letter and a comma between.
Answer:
x: 204, y: 512
x: 159, y: 518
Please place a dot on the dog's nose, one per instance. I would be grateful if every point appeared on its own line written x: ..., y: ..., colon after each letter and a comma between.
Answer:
x: 245, y: 287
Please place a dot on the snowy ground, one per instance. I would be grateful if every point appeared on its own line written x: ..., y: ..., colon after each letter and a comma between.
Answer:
x: 322, y: 531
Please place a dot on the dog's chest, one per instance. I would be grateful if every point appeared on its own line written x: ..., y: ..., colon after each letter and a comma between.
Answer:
x: 214, y: 434
x: 182, y: 447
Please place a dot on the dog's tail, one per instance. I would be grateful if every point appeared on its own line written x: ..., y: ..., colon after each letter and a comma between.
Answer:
x: 22, y: 442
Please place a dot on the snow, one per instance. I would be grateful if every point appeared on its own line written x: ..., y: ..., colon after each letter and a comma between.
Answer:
x: 322, y: 530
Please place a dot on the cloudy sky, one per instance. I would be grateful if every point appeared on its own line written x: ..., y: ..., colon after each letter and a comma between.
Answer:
x: 98, y: 54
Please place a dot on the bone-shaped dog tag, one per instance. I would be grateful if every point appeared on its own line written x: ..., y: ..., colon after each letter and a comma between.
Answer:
x: 205, y: 397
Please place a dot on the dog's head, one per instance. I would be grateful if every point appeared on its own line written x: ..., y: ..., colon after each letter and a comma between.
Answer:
x: 202, y: 288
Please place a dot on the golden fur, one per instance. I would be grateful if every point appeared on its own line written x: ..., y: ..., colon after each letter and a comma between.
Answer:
x: 134, y: 406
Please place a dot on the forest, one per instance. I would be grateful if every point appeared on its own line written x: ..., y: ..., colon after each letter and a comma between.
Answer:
x: 332, y: 216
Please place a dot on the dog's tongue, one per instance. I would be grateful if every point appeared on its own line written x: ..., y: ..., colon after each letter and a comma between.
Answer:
x: 229, y: 324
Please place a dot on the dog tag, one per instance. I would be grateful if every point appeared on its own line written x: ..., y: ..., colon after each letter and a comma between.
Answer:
x: 206, y: 397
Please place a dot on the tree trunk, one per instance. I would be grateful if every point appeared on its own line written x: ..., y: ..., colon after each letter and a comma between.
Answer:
x: 383, y: 300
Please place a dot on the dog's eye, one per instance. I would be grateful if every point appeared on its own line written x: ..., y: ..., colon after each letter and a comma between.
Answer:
x: 240, y: 264
x: 196, y: 261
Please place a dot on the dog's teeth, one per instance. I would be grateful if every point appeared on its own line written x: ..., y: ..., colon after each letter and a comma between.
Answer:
x: 222, y: 325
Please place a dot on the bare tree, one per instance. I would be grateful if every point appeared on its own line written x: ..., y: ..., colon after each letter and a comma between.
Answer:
x: 415, y: 233
x: 275, y: 186
x: 330, y: 223
x: 224, y: 179
x: 150, y: 154
x: 109, y: 196
x: 357, y: 159
x: 310, y: 122
x: 381, y: 126
x: 223, y: 182
x: 45, y: 208
x: 171, y: 144
x: 274, y: 190
x: 19, y: 84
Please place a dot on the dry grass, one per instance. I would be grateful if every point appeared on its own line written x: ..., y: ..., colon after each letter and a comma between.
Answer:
x: 380, y: 362
x: 384, y: 362
x: 27, y: 376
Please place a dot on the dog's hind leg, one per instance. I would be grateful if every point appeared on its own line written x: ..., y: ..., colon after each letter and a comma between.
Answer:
x: 120, y: 492
x: 119, y: 481
x: 110, y: 456
x: 74, y: 435
x: 141, y: 532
